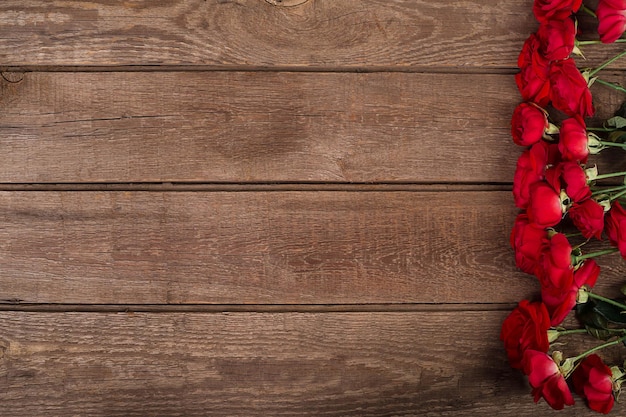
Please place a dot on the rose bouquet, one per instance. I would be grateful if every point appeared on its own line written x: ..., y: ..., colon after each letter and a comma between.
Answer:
x: 565, y: 206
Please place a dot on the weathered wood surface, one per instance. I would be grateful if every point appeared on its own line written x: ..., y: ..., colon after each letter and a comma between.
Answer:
x: 335, y: 240
x: 262, y: 248
x: 400, y: 35
x: 317, y: 34
x: 224, y: 126
x: 327, y: 364
x: 258, y: 247
x: 260, y: 127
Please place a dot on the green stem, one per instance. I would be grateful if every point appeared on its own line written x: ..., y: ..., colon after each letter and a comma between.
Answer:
x: 588, y: 11
x: 612, y: 85
x: 597, y: 348
x: 606, y: 300
x: 596, y: 42
x: 571, y: 331
x: 606, y: 63
x: 611, y: 175
x: 608, y: 190
x: 577, y: 259
x: 618, y: 195
x: 619, y: 145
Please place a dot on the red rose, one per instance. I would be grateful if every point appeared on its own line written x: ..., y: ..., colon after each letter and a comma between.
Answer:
x: 533, y: 79
x: 545, y: 10
x: 525, y: 328
x: 527, y: 241
x: 531, y: 168
x: 573, y: 140
x: 528, y: 124
x: 588, y: 217
x: 557, y: 38
x: 556, y: 262
x: 615, y: 227
x: 592, y: 380
x: 546, y: 379
x: 616, y: 4
x: 571, y: 177
x: 574, y: 180
x: 569, y: 91
x: 544, y: 207
x: 611, y: 20
x: 560, y: 298
x: 525, y: 176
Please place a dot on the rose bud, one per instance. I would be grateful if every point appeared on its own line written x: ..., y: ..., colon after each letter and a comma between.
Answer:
x: 611, y: 20
x: 557, y: 38
x: 533, y: 78
x: 528, y: 125
x: 527, y: 241
x: 545, y: 208
x: 573, y: 140
x: 588, y: 217
x: 525, y: 328
x: 545, y: 10
x: 569, y: 91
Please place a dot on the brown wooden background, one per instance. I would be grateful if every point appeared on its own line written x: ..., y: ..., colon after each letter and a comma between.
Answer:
x: 250, y: 207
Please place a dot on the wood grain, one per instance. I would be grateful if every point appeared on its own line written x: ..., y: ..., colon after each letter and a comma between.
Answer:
x: 262, y: 127
x: 317, y: 34
x: 261, y: 248
x: 224, y: 126
x: 401, y: 364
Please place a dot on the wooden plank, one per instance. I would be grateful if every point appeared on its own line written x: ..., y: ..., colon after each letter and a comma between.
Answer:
x: 190, y: 126
x: 261, y: 248
x: 234, y: 127
x: 350, y: 34
x: 354, y: 364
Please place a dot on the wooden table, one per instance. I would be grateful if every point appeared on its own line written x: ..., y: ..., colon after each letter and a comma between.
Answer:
x: 214, y: 207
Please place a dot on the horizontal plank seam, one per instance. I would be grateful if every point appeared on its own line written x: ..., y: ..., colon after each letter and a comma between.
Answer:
x: 208, y: 68
x: 260, y: 186
x: 17, y: 306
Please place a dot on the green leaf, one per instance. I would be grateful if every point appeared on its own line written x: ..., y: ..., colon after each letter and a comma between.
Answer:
x: 610, y: 312
x: 602, y: 334
x: 589, y: 318
x: 617, y: 122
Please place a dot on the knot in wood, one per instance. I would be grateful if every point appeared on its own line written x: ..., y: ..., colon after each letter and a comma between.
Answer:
x: 286, y: 3
x: 12, y: 77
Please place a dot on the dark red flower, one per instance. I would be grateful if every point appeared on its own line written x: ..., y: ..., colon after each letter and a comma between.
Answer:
x: 559, y: 292
x: 616, y: 4
x: 528, y: 124
x: 525, y: 328
x: 527, y: 241
x: 574, y: 181
x: 573, y: 140
x: 593, y: 381
x: 556, y: 262
x: 531, y: 168
x: 546, y: 379
x: 533, y: 79
x: 544, y: 207
x: 557, y: 38
x: 612, y: 20
x: 588, y: 217
x: 615, y: 227
x: 569, y: 91
x: 545, y: 10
